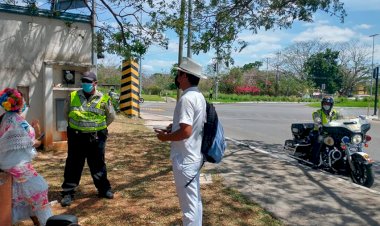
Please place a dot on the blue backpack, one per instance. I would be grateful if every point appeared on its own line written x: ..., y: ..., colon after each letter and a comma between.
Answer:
x: 213, y: 142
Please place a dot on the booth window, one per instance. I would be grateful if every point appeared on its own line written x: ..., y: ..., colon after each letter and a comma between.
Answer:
x: 25, y: 93
x: 61, y: 121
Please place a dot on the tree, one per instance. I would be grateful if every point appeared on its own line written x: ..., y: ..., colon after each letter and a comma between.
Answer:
x: 322, y: 68
x: 108, y: 74
x: 229, y: 81
x: 217, y: 23
x: 254, y: 65
x: 125, y: 33
x: 157, y: 83
x: 290, y: 85
x: 119, y: 23
x: 295, y: 56
x: 355, y: 64
x: 136, y: 36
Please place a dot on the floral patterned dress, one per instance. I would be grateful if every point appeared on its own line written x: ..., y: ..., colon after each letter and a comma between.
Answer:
x: 29, y: 189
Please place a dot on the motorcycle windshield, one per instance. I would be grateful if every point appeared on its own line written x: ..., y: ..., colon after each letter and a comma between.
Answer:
x: 353, y: 123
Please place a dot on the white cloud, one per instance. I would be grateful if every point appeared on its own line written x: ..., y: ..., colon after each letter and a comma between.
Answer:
x: 317, y: 22
x: 153, y: 66
x: 147, y: 69
x: 158, y: 51
x: 326, y: 33
x: 259, y: 47
x: 259, y: 37
x: 173, y: 46
x: 363, y: 26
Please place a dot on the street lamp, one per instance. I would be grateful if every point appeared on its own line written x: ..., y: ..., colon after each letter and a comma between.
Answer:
x: 373, y: 52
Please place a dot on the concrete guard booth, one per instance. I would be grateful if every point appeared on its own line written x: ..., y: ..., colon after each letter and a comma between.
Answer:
x: 43, y: 55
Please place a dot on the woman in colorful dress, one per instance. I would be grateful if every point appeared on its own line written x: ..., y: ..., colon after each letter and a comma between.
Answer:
x: 17, y: 149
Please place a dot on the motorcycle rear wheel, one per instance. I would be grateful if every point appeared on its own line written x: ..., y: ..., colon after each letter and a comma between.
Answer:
x: 363, y: 175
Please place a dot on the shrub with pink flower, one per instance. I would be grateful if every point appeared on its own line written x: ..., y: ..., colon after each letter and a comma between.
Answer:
x: 253, y: 90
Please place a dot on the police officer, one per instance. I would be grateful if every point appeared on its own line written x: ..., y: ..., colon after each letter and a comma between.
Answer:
x: 112, y: 93
x: 88, y: 112
x: 321, y: 117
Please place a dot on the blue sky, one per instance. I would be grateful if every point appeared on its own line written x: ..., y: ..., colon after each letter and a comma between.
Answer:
x: 363, y: 20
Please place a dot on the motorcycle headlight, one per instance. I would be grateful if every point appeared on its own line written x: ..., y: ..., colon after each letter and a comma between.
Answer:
x: 356, y: 139
x: 329, y: 141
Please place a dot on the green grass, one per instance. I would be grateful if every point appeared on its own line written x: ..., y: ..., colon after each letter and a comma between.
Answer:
x: 339, y: 102
x: 344, y: 102
x: 231, y: 98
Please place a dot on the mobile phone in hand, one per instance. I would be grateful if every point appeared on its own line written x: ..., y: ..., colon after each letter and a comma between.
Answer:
x: 160, y: 128
x: 41, y: 136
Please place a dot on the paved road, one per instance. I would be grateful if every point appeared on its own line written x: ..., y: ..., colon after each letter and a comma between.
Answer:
x: 267, y: 123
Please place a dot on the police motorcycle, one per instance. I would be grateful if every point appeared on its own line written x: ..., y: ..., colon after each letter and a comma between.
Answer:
x: 342, y: 147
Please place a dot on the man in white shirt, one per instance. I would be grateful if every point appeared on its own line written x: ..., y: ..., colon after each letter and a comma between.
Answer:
x: 185, y: 135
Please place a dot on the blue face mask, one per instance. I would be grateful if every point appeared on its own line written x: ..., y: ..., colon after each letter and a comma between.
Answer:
x: 23, y: 108
x: 87, y: 87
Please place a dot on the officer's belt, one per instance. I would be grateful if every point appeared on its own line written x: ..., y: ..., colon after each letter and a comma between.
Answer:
x: 84, y: 132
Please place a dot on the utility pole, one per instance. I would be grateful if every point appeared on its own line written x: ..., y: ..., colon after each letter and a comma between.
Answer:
x: 180, y: 44
x: 376, y: 77
x: 266, y: 79
x: 217, y: 74
x: 277, y: 74
x: 140, y: 63
x: 93, y: 38
x: 189, y: 30
x: 373, y: 53
x: 217, y: 66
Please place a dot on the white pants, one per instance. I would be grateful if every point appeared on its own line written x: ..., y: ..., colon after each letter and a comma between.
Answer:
x: 190, y: 196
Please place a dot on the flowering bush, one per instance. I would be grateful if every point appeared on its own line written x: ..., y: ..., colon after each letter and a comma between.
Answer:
x: 253, y: 90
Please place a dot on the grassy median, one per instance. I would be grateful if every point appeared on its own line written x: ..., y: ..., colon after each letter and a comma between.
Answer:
x: 140, y: 173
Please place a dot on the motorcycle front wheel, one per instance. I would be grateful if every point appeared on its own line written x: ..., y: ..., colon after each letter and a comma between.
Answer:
x: 363, y: 174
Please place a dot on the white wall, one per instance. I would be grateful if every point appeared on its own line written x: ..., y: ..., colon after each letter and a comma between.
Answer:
x: 28, y: 42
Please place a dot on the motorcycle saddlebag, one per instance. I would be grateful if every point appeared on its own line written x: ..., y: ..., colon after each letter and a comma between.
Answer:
x: 301, y: 130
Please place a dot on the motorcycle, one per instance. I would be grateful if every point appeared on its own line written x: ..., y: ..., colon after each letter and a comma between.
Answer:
x: 341, y: 150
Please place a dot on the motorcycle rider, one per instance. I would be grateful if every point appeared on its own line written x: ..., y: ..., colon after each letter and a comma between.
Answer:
x: 321, y: 117
x: 112, y: 93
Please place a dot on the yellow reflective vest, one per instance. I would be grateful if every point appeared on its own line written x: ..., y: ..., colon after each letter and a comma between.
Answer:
x: 324, y: 117
x: 87, y: 116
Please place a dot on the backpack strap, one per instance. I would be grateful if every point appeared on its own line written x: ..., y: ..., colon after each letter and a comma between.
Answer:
x: 203, y: 144
x: 195, y: 174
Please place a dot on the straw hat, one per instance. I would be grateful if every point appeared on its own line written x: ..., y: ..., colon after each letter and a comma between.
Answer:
x: 191, y: 67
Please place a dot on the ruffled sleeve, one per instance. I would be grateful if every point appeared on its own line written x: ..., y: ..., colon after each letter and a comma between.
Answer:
x: 16, y: 141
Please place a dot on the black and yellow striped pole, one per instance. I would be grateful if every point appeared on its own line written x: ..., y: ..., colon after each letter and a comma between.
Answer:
x: 129, y: 90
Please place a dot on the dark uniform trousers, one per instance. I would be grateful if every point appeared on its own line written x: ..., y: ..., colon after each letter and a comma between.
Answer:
x: 316, y: 147
x: 83, y: 145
